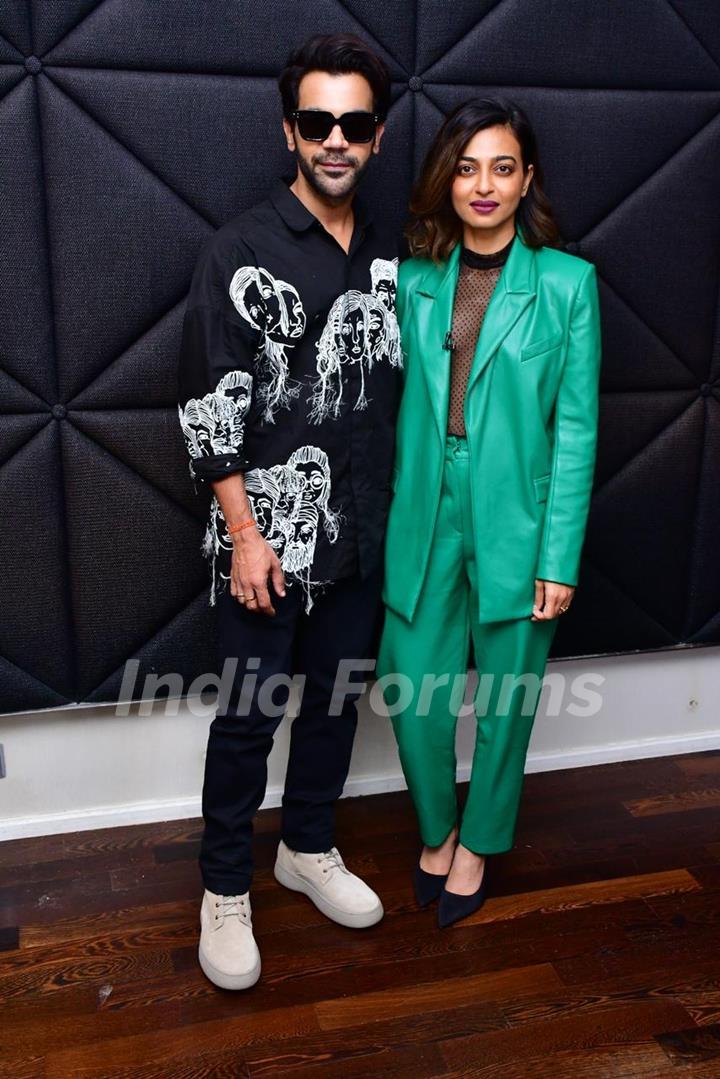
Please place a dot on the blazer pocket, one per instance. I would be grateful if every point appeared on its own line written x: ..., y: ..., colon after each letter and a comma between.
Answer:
x: 541, y: 487
x: 545, y: 344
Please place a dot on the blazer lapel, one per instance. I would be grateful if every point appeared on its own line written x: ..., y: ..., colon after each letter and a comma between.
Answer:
x: 514, y: 291
x: 434, y: 300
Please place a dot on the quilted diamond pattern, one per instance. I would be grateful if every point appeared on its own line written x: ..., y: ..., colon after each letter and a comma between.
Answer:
x: 133, y: 128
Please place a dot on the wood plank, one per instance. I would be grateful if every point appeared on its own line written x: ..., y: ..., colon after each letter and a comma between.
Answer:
x: 173, y: 1044
x: 367, y: 1007
x: 675, y: 802
x: 629, y: 1023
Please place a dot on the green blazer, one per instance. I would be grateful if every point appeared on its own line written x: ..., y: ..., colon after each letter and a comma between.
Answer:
x: 531, y: 410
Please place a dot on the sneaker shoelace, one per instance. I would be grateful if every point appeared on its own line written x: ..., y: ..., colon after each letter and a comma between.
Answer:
x: 231, y: 905
x: 333, y: 860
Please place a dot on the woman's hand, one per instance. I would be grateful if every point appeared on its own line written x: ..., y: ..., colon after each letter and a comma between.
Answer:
x: 550, y: 597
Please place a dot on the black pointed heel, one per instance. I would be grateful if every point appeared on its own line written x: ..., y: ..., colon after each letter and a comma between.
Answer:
x: 428, y: 886
x: 453, y: 907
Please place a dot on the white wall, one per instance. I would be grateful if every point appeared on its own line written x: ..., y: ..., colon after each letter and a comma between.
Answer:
x: 86, y: 767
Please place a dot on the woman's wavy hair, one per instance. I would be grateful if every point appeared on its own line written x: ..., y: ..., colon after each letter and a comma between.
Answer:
x: 434, y: 228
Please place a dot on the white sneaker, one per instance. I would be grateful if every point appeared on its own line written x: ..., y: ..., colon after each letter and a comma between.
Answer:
x: 334, y: 890
x: 227, y: 952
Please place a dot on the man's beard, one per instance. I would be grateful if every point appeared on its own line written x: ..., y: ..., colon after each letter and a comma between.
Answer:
x: 325, y: 185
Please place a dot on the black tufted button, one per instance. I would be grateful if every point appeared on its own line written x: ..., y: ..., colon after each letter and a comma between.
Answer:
x: 571, y: 246
x: 59, y: 412
x: 415, y: 83
x: 706, y: 389
x: 32, y: 64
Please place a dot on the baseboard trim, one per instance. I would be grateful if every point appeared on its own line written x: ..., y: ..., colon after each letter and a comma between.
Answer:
x: 152, y: 812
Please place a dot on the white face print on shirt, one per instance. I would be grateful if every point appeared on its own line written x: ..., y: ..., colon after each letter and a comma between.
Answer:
x: 273, y: 307
x: 215, y: 423
x: 290, y: 502
x: 383, y: 281
x: 361, y: 330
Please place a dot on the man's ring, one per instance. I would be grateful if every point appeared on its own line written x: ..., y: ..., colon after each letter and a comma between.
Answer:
x: 564, y: 608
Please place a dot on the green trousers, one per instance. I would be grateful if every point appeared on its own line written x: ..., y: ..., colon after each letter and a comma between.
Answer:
x: 437, y: 643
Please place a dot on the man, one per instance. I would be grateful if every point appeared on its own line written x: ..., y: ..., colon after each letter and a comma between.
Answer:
x: 289, y: 385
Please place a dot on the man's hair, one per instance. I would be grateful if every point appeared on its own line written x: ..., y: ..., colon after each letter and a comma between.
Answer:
x: 338, y: 54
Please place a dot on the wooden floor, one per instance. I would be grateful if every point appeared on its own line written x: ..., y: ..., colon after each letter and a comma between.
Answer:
x: 596, y: 955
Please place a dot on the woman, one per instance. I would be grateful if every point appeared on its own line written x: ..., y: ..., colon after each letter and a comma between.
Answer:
x: 495, y: 456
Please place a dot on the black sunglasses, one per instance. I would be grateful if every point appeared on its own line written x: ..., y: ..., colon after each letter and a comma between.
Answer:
x: 315, y: 126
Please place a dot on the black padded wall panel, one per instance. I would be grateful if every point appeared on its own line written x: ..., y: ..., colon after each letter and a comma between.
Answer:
x: 131, y: 129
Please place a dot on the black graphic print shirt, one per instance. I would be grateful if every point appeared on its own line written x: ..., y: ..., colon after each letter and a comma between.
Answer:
x: 290, y: 372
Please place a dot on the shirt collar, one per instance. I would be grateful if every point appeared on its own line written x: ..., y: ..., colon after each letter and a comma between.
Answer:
x: 297, y: 216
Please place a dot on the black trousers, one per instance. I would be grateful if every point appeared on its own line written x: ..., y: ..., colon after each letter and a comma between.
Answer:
x: 342, y: 625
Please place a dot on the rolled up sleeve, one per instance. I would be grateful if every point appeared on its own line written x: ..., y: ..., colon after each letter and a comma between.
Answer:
x: 216, y: 368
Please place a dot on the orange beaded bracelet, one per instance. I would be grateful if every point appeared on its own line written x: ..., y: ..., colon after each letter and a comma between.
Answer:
x: 239, y: 528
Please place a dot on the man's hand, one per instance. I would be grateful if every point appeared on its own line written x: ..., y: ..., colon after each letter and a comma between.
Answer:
x: 253, y: 563
x: 550, y: 596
